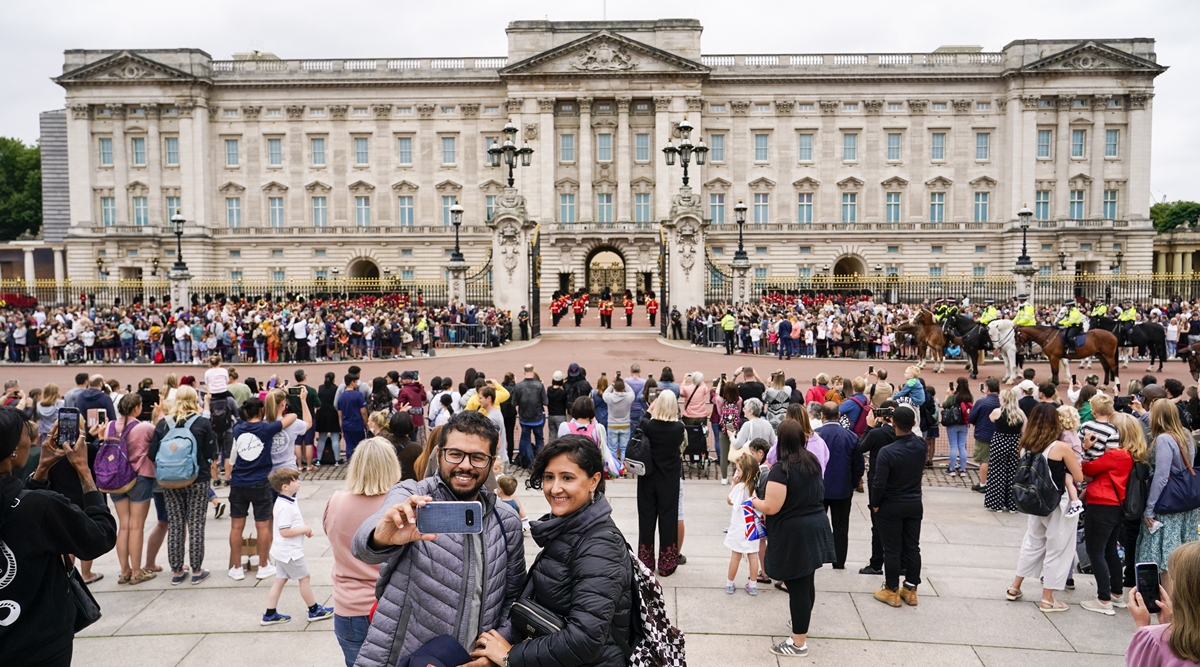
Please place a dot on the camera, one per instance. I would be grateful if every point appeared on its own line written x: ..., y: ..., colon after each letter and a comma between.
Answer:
x: 1123, y: 403
x: 883, y: 412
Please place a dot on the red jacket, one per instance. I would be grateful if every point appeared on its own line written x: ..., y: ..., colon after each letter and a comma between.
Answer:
x: 1110, y: 474
x: 815, y: 394
x: 413, y: 393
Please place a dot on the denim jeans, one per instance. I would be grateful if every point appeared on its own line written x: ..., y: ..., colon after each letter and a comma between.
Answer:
x: 351, y: 632
x: 335, y: 441
x: 182, y: 351
x: 958, y: 446
x: 618, y: 438
x: 530, y: 449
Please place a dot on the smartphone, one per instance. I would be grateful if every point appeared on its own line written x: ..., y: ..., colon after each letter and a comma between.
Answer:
x: 1073, y: 380
x: 68, y: 426
x: 981, y: 389
x: 294, y: 391
x: 93, y: 416
x: 814, y: 382
x: 450, y: 517
x: 870, y: 369
x: 722, y: 377
x: 1147, y: 585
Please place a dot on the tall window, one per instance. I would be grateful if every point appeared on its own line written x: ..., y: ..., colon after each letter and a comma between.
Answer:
x: 937, y: 207
x: 278, y: 275
x: 448, y: 156
x: 604, y: 147
x: 233, y: 211
x: 108, y: 211
x: 106, y: 155
x: 318, y: 152
x: 1044, y: 143
x: 320, y: 212
x: 566, y: 148
x: 983, y: 148
x: 275, y: 152
x: 849, y: 147
x: 1041, y: 205
x: 604, y: 207
x: 806, y: 148
x: 362, y: 153
x: 1078, y: 143
x: 172, y: 206
x: 172, y: 151
x: 849, y: 207
x: 1112, y: 139
x: 762, y: 208
x: 275, y: 211
x: 489, y: 206
x: 716, y: 149
x: 447, y: 202
x: 641, y: 207
x: 235, y: 276
x: 404, y: 150
x: 641, y: 147
x: 141, y: 212
x: 892, y: 207
x: 938, y: 146
x: 138, y: 145
x: 935, y: 272
x: 804, y: 213
x: 231, y: 152
x: 405, y: 207
x: 893, y: 146
x: 566, y: 208
x: 1110, y: 204
x: 981, y: 207
x: 716, y: 208
x: 1076, y: 210
x: 760, y: 147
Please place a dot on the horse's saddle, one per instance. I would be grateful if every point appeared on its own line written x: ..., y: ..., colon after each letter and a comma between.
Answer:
x: 1080, y: 340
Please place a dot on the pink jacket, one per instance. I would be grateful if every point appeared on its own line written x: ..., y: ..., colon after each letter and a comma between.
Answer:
x: 697, y: 407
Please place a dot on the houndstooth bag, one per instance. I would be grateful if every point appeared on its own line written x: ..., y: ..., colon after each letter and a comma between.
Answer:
x: 656, y: 643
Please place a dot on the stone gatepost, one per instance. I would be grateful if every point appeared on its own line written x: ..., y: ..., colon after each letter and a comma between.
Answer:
x: 741, y: 280
x: 511, y: 235
x: 684, y: 231
x: 181, y: 292
x: 1023, y: 274
x: 456, y: 290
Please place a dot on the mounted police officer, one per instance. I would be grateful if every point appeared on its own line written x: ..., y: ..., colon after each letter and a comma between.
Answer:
x: 1126, y: 320
x: 986, y: 317
x: 1072, y: 322
x: 1099, y: 309
x: 1025, y: 315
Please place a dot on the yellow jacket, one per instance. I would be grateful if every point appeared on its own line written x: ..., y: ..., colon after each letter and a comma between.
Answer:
x: 501, y: 396
x: 1025, y: 316
x: 1100, y: 310
x: 1128, y: 315
x: 988, y: 315
x: 1073, y: 318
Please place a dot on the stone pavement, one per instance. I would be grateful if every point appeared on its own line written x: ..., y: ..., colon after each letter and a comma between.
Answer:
x: 962, y: 620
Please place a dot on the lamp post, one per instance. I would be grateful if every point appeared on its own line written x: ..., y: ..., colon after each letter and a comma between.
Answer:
x: 177, y: 229
x: 1116, y: 268
x: 456, y: 216
x: 509, y: 152
x: 1024, y: 215
x: 685, y: 150
x: 739, y: 213
x: 1062, y: 261
x: 100, y: 268
x: 154, y: 270
x: 336, y: 276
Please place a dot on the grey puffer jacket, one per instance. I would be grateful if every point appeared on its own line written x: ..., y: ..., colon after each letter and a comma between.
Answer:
x: 425, y: 588
x: 584, y: 574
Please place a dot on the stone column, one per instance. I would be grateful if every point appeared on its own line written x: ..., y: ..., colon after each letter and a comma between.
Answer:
x: 1187, y: 263
x: 624, y: 169
x: 545, y: 135
x: 662, y: 174
x: 30, y: 273
x: 685, y: 236
x: 120, y: 167
x: 154, y: 171
x: 181, y: 294
x: 1062, y: 159
x: 60, y: 274
x: 586, y: 159
x: 1136, y: 202
x: 741, y: 280
x: 1096, y: 159
x: 512, y: 231
x: 458, y: 281
x: 1160, y: 263
x: 1177, y: 263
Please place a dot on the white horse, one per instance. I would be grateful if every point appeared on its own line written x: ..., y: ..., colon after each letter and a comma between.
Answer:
x: 1004, y: 340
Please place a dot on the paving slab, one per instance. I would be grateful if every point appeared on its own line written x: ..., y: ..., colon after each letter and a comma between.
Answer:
x: 843, y: 652
x: 709, y: 611
x: 942, y: 620
x: 730, y: 651
x: 155, y: 651
x: 117, y: 609
x: 220, y: 610
x: 993, y: 656
x: 290, y: 649
x: 1090, y: 632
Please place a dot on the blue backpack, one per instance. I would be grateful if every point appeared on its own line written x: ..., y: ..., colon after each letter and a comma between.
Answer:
x: 176, y: 461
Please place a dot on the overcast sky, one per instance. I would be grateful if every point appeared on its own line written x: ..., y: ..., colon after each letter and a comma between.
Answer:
x: 37, y: 33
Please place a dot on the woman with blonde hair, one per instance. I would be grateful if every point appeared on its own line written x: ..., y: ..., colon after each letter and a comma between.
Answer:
x: 283, y: 450
x: 1133, y: 440
x: 186, y: 507
x: 1170, y: 460
x: 170, y: 384
x: 1003, y: 457
x: 373, y: 470
x: 658, y: 491
x: 1175, y: 640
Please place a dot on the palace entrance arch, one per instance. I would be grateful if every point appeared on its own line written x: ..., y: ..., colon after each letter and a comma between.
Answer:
x: 849, y: 266
x: 363, y: 269
x: 605, y: 269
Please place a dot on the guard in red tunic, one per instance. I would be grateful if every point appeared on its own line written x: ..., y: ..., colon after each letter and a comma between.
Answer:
x: 555, y: 310
x: 651, y: 308
x: 578, y: 306
x: 606, y: 312
x: 628, y: 311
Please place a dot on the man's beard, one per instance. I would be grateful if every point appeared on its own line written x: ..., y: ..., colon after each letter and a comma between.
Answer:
x: 462, y: 495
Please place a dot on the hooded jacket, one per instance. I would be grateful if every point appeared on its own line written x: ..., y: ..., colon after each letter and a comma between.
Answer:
x: 413, y: 393
x: 425, y: 588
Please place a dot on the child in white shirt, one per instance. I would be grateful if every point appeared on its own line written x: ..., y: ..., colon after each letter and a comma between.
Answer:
x: 287, y: 549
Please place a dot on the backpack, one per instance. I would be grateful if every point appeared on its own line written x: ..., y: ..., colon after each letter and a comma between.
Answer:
x: 655, y: 641
x: 176, y: 461
x: 1136, y: 490
x: 222, y: 418
x: 860, y: 424
x: 1033, y: 489
x: 114, y: 472
x: 952, y: 416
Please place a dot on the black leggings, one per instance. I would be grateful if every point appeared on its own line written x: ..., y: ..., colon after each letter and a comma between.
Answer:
x: 802, y: 595
x: 1101, y: 529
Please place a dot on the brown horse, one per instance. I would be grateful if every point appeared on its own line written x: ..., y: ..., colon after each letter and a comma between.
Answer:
x: 930, y: 340
x: 1191, y: 354
x: 1102, y: 344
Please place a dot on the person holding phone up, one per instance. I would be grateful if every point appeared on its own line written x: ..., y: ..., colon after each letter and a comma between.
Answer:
x: 1175, y: 639
x: 420, y: 589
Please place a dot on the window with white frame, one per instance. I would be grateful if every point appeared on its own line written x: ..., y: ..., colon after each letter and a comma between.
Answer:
x: 983, y: 106
x: 936, y: 249
x: 981, y: 250
x: 320, y: 211
x: 641, y: 147
x: 895, y: 106
x: 604, y: 207
x: 849, y: 147
x: 804, y: 208
x: 935, y: 272
x: 1041, y: 205
x: 981, y: 206
x: 1112, y: 140
x: 804, y: 272
x: 849, y: 207
x: 1076, y: 211
x: 760, y: 272
x: 804, y: 106
x: 321, y: 274
x: 280, y: 275
x: 937, y: 106
x: 566, y: 208
x: 566, y: 148
x: 1045, y: 270
x: 318, y: 151
x: 716, y: 148
x: 1045, y: 143
x: 141, y: 212
x: 407, y: 274
x: 641, y: 207
x: 106, y: 152
x: 447, y: 216
x: 171, y: 151
x: 1078, y: 143
x: 404, y: 152
x: 893, y: 146
x: 108, y: 211
x: 806, y: 147
x: 604, y: 147
x: 937, y: 146
x: 362, y: 152
x: 448, y: 150
x: 235, y: 275
x: 893, y: 271
x: 233, y: 211
x: 138, y: 148
x: 716, y: 208
x: 892, y: 207
x: 173, y: 206
x: 404, y: 206
x: 983, y: 145
x: 275, y: 211
x: 761, y: 147
x: 979, y: 271
x: 275, y: 152
x: 489, y: 206
x: 893, y: 250
x: 362, y: 211
x: 937, y: 207
x: 231, y: 152
x: 762, y: 207
x: 850, y: 106
x: 1110, y: 204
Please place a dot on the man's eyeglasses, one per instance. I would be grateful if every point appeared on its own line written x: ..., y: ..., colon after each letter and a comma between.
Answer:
x: 456, y: 456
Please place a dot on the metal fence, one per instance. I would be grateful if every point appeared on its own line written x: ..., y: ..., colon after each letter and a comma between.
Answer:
x: 465, y: 335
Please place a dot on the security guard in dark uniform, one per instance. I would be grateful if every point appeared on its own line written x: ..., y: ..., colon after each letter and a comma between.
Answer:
x: 676, y: 323
x: 523, y: 319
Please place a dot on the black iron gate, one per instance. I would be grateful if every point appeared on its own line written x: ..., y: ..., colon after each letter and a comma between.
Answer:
x: 718, y: 284
x: 664, y: 267
x: 535, y: 283
x: 479, y: 284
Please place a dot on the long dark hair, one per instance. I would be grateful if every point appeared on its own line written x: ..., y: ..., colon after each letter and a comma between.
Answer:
x: 791, y: 442
x: 962, y: 391
x: 581, y: 449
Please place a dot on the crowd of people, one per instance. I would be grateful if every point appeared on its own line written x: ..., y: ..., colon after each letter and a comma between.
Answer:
x: 792, y: 457
x: 260, y: 331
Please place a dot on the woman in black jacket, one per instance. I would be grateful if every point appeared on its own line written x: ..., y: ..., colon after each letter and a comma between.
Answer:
x: 37, y: 530
x: 584, y: 573
x: 658, y: 492
x: 328, y: 424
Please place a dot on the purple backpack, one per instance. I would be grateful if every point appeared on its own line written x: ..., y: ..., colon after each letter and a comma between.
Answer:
x: 114, y: 472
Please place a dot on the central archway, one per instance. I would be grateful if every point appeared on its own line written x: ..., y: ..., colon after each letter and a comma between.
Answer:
x: 363, y: 269
x: 849, y: 266
x: 605, y: 269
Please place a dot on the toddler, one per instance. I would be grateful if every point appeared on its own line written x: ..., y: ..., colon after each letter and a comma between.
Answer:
x: 287, y: 549
x: 1068, y: 421
x: 744, y: 482
x: 506, y: 488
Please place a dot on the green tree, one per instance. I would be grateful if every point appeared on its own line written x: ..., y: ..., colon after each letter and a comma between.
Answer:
x: 1169, y: 215
x: 20, y: 188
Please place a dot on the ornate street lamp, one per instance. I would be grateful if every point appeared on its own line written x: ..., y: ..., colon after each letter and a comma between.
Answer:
x: 177, y: 229
x: 154, y: 270
x: 685, y: 149
x: 100, y: 268
x: 1062, y: 261
x: 739, y: 215
x: 1116, y: 268
x: 456, y: 215
x: 509, y: 152
x: 1024, y: 215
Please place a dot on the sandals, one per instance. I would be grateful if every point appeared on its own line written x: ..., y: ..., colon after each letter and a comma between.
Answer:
x: 145, y: 576
x: 156, y: 568
x: 1013, y: 594
x: 1057, y: 605
x: 124, y: 578
x: 779, y: 585
x: 94, y: 579
x: 762, y: 578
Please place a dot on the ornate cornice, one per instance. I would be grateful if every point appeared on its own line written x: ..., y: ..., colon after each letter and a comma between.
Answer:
x: 585, y: 104
x: 469, y: 109
x: 381, y: 110
x: 425, y: 110
x: 546, y: 104
x: 251, y: 112
x: 338, y: 111
x: 829, y: 106
x: 662, y: 103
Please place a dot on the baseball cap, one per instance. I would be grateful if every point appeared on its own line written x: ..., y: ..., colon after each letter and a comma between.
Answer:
x: 408, y: 375
x: 558, y: 376
x: 573, y: 370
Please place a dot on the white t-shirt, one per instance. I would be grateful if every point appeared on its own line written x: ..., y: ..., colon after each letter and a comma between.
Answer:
x: 286, y: 514
x: 283, y: 454
x: 216, y: 379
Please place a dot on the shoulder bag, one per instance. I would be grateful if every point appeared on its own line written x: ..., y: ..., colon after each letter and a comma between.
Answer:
x: 637, y: 454
x: 533, y: 619
x: 1181, y: 494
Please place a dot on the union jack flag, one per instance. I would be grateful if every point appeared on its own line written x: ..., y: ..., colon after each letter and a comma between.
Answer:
x: 756, y: 529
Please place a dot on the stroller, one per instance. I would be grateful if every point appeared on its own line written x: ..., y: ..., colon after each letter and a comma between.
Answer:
x: 73, y: 353
x: 695, y: 453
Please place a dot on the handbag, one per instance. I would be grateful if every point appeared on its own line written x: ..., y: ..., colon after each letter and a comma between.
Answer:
x: 87, y: 610
x: 534, y: 620
x: 1181, y: 494
x: 637, y: 454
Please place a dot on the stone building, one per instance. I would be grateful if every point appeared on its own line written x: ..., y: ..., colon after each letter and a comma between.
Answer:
x: 879, y: 163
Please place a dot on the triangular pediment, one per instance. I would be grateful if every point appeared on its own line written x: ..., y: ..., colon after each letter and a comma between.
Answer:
x: 762, y: 183
x: 404, y: 186
x: 317, y: 186
x: 895, y: 182
x: 1093, y: 57
x: 231, y: 188
x: 361, y: 186
x: 124, y: 67
x: 490, y: 185
x: 984, y: 182
x: 850, y: 183
x: 135, y: 185
x: 939, y: 182
x: 600, y: 53
x: 275, y: 186
x: 448, y: 186
x: 718, y: 185
x: 1081, y: 178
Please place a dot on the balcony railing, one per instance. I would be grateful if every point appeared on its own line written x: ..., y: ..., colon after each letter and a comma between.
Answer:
x: 572, y: 227
x: 298, y: 230
x: 355, y: 65
x: 844, y: 60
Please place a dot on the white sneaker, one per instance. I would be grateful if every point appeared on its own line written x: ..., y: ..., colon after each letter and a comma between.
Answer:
x: 237, y: 573
x: 266, y: 571
x: 724, y: 481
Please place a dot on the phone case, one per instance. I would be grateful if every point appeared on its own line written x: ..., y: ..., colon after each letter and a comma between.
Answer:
x: 451, y: 517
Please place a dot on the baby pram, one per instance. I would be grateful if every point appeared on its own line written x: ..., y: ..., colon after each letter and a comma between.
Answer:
x: 73, y: 353
x: 695, y: 452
